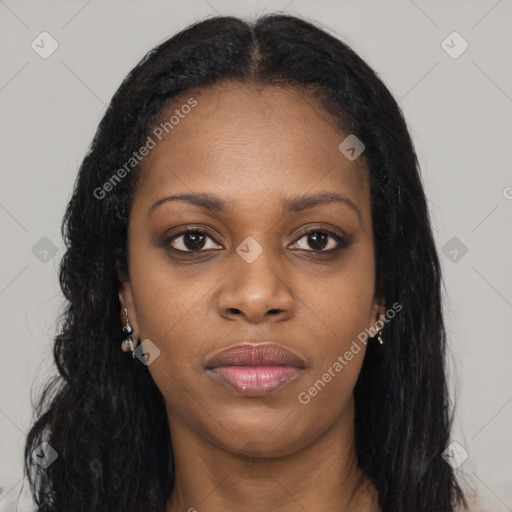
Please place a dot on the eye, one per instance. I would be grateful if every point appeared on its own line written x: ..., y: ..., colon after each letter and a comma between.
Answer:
x: 318, y: 240
x: 193, y: 240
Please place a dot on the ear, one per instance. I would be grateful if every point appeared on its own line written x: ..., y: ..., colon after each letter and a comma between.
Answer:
x: 378, y: 310
x: 126, y: 300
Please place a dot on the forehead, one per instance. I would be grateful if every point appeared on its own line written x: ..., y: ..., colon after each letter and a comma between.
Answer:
x: 241, y: 141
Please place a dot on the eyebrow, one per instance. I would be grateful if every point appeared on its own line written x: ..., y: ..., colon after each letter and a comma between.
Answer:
x: 290, y: 205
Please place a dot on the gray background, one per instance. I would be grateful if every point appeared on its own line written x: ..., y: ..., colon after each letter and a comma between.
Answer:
x: 459, y: 111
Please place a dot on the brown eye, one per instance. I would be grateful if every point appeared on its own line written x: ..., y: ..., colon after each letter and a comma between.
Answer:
x: 319, y: 240
x: 191, y: 241
x: 315, y: 240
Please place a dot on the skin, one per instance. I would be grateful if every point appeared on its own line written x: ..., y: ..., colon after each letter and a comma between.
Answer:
x: 254, y: 147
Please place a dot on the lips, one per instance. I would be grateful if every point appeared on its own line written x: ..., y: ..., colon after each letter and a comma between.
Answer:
x: 255, y: 369
x: 262, y: 354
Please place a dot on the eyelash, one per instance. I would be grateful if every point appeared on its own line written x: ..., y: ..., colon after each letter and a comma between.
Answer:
x: 342, y: 242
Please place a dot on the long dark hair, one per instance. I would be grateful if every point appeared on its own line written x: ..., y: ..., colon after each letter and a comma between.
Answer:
x: 104, y: 415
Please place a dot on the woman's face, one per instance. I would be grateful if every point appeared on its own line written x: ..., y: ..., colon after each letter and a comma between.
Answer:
x: 249, y: 272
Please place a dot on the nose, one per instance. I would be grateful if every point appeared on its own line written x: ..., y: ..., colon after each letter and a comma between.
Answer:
x: 256, y: 292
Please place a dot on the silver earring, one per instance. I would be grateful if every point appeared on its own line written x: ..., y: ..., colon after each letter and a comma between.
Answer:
x: 127, y: 343
x: 379, y: 337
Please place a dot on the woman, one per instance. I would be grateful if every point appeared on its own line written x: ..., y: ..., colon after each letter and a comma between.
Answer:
x: 254, y: 317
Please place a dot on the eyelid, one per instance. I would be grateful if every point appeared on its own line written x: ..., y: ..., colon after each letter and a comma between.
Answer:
x: 184, y: 231
x: 341, y: 239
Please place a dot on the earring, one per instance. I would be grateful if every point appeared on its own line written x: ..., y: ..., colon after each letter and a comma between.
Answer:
x: 379, y: 337
x: 127, y: 343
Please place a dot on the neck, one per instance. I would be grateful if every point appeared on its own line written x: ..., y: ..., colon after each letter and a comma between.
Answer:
x: 322, y: 476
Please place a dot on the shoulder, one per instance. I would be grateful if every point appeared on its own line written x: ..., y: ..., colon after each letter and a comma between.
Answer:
x: 474, y: 506
x: 43, y: 510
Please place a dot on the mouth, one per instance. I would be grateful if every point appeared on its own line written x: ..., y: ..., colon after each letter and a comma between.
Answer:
x: 255, y: 369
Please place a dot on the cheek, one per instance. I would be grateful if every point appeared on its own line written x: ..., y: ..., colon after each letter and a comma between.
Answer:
x: 343, y: 300
x: 168, y: 313
x: 343, y: 305
x: 175, y: 311
x: 338, y: 358
x: 163, y: 292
